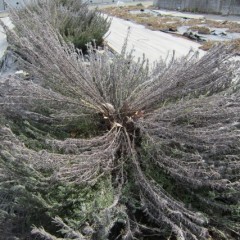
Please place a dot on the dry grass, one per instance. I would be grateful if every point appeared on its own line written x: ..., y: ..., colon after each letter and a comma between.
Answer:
x: 232, y: 26
x: 237, y: 44
x: 160, y: 23
x: 210, y: 44
x: 156, y: 23
x: 164, y: 22
x: 150, y: 21
x: 201, y: 29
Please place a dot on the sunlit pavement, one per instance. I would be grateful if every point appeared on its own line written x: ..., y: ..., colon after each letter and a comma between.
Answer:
x: 153, y: 44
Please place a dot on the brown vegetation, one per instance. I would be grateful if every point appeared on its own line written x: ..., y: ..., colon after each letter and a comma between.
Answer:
x: 150, y: 21
x: 171, y: 23
x: 201, y: 29
x: 210, y: 44
x: 124, y: 12
x: 231, y: 26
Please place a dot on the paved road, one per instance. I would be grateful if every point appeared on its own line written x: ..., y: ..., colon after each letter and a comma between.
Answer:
x: 154, y: 44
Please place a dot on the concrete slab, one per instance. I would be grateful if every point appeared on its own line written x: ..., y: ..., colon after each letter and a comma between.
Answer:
x: 153, y: 44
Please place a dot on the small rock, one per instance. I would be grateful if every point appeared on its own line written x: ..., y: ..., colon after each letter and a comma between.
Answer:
x: 192, y: 36
x: 223, y: 34
x: 213, y: 33
x: 172, y: 29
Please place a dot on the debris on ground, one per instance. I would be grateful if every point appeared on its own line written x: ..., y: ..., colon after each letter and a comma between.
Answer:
x: 193, y: 36
x: 201, y: 29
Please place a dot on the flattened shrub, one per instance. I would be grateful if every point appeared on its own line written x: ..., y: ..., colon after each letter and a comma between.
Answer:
x: 104, y: 148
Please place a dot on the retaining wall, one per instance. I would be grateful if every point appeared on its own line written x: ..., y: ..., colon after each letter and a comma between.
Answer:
x: 225, y: 7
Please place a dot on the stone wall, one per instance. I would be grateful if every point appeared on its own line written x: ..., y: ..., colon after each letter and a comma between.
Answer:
x: 225, y: 7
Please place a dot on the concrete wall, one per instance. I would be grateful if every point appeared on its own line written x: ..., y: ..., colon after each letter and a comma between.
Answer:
x: 168, y: 4
x: 1, y: 6
x: 233, y: 5
x: 209, y: 6
x: 202, y: 5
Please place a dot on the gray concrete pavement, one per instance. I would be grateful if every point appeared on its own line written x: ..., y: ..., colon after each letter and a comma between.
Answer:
x: 153, y: 44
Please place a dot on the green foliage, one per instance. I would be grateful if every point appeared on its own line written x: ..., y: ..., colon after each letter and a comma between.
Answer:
x: 29, y: 198
x: 74, y: 20
x: 82, y: 29
x: 34, y: 134
x: 79, y: 25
